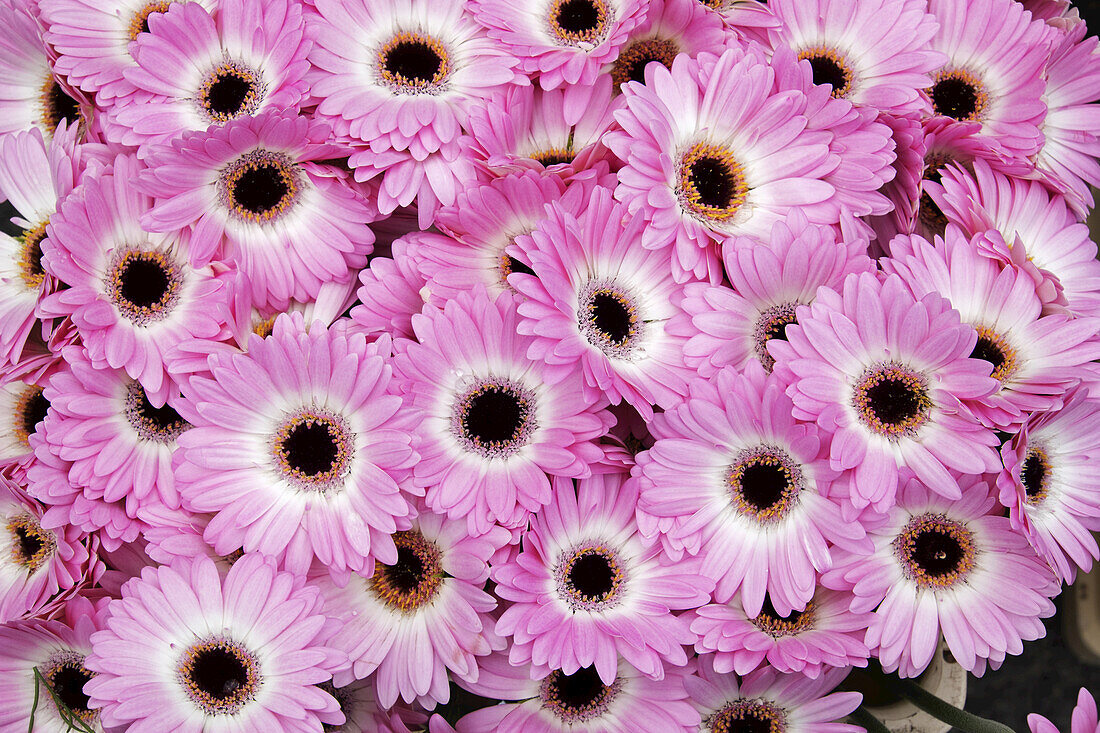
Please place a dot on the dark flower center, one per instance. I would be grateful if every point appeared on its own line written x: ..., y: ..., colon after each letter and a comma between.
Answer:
x: 159, y: 424
x: 772, y: 324
x: 67, y: 682
x: 712, y: 184
x: 411, y: 63
x: 230, y: 91
x: 770, y: 622
x: 765, y: 483
x: 592, y: 575
x: 554, y: 156
x: 992, y: 348
x: 33, y: 407
x: 494, y: 416
x: 313, y: 450
x: 260, y: 185
x: 32, y: 546
x: 630, y: 66
x: 1035, y: 476
x: 414, y: 579
x: 935, y: 551
x: 893, y: 400
x: 577, y: 697
x: 957, y: 94
x: 828, y: 68
x: 930, y: 214
x: 57, y: 105
x: 219, y: 676
x: 746, y: 716
x: 343, y: 699
x: 139, y: 22
x: 611, y: 316
x: 589, y: 578
x: 609, y: 319
x: 30, y: 256
x: 578, y: 21
x: 144, y: 286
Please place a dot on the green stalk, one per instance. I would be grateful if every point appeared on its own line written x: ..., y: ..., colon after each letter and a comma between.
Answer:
x: 868, y: 722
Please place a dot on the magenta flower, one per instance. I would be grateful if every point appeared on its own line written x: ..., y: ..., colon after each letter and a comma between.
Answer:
x: 1084, y: 717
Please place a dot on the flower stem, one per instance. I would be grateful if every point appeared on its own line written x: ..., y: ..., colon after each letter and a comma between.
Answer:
x: 945, y: 711
x: 868, y: 722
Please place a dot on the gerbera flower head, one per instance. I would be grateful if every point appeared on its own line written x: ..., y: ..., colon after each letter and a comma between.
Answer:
x: 196, y: 68
x: 943, y: 566
x: 92, y: 40
x: 392, y: 291
x: 1050, y: 487
x: 748, y: 486
x: 585, y: 591
x: 119, y: 444
x: 1035, y: 359
x: 729, y: 159
x: 556, y: 131
x: 730, y: 325
x: 598, y: 298
x: 904, y: 190
x: 36, y: 561
x: 823, y: 635
x: 490, y: 424
x: 562, y: 42
x: 671, y: 27
x: 886, y: 373
x: 873, y: 54
x: 417, y: 621
x: 245, y: 648
x: 131, y: 294
x: 248, y: 194
x: 483, y: 223
x: 400, y: 76
x: 579, y: 701
x: 23, y: 407
x: 1070, y: 141
x: 31, y: 95
x: 42, y: 672
x: 297, y: 448
x: 993, y: 73
x: 1036, y: 231
x: 750, y: 20
x: 767, y: 700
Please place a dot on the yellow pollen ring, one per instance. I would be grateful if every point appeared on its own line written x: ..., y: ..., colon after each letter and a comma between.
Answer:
x: 723, y: 173
x: 390, y: 582
x: 591, y: 35
x: 907, y: 546
x: 400, y: 81
x: 1009, y: 361
x: 139, y: 22
x: 915, y: 388
x: 235, y: 697
x: 820, y: 54
x: 23, y: 404
x: 116, y: 285
x: 32, y: 546
x: 962, y: 78
x: 30, y: 256
x: 255, y: 161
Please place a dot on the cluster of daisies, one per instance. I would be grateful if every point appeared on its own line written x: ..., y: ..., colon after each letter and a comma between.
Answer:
x: 635, y: 366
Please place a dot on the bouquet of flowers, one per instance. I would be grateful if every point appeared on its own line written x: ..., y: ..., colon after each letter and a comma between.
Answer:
x: 616, y: 366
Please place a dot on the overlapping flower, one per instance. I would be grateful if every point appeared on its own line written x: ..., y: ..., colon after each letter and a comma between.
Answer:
x: 633, y: 365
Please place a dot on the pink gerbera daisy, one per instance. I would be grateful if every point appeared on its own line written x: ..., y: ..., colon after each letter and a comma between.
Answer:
x: 297, y: 448
x: 42, y: 672
x: 31, y: 95
x: 885, y: 372
x: 563, y: 42
x: 119, y: 444
x: 557, y: 131
x: 1050, y: 487
x: 1035, y: 359
x: 825, y: 634
x: 491, y: 426
x: 23, y: 407
x: 483, y: 223
x: 993, y: 75
x: 35, y: 561
x: 750, y: 20
x: 195, y: 68
x: 248, y: 193
x: 131, y: 294
x: 579, y: 702
x: 598, y: 298
x: 1070, y: 140
x: 1084, y: 717
x: 951, y: 567
x: 1038, y: 233
x: 712, y: 149
x: 398, y: 75
x: 188, y: 649
x: 904, y: 191
x: 765, y: 700
x: 92, y: 39
x: 423, y: 619
x: 873, y: 54
x: 748, y: 487
x: 586, y: 591
x: 392, y: 291
x: 728, y: 326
